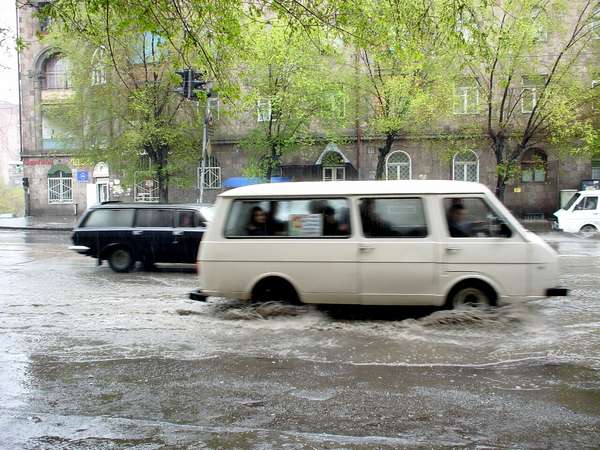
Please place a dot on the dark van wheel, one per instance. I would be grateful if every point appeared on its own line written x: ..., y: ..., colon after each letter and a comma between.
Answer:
x: 471, y: 293
x: 121, y: 260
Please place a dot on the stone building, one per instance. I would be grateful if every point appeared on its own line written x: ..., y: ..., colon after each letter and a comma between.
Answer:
x: 58, y: 184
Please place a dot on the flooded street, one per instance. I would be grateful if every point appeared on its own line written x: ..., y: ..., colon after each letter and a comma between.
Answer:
x: 94, y: 359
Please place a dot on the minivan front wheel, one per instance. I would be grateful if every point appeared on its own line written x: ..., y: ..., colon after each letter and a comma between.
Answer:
x: 473, y: 293
x: 121, y: 260
x: 588, y: 230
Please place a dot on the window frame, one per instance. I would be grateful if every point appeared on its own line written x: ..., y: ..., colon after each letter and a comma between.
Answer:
x: 261, y: 116
x: 349, y: 204
x: 395, y: 197
x: 462, y: 98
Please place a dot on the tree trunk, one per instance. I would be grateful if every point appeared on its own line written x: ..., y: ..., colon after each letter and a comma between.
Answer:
x: 382, y: 155
x: 499, y: 147
x: 273, y: 158
x: 162, y: 176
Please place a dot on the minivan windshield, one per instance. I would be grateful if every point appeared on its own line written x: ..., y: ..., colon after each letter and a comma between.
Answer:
x: 572, y: 201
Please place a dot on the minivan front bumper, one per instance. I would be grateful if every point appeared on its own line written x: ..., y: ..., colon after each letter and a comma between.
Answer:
x: 557, y: 292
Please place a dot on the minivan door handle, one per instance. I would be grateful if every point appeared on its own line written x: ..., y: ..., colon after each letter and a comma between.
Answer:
x: 452, y: 249
x: 178, y: 233
x: 137, y: 232
x: 366, y: 248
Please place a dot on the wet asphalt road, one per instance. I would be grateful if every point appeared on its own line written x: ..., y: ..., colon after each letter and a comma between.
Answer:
x: 93, y: 359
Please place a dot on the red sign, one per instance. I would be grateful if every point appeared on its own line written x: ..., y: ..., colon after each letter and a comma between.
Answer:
x: 38, y: 162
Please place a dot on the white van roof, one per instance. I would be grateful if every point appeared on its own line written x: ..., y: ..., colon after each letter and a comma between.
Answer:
x: 328, y: 188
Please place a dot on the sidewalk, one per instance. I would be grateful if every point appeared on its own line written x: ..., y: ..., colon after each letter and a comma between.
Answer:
x: 50, y: 223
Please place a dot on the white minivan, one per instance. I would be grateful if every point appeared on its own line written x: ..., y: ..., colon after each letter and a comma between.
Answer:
x: 580, y: 214
x: 372, y: 242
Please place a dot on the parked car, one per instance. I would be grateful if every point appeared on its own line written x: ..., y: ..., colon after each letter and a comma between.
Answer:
x: 580, y: 214
x: 151, y: 233
x: 372, y: 242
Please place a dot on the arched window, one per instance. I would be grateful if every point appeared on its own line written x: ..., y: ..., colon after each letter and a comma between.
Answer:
x: 465, y: 166
x: 333, y: 163
x: 398, y: 166
x: 533, y: 166
x: 55, y: 73
x: 60, y: 184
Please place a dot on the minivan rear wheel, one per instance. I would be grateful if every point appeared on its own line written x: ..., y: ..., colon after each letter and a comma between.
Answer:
x: 275, y: 290
x: 472, y: 293
x: 121, y: 260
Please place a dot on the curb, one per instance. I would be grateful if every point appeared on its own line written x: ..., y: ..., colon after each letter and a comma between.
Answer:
x: 34, y: 228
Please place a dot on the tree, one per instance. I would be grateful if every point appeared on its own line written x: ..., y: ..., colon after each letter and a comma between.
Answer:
x: 289, y: 88
x: 524, y: 58
x: 400, y: 60
x: 124, y: 109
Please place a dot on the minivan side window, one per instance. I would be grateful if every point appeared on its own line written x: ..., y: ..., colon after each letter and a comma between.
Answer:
x: 471, y: 217
x: 110, y: 218
x: 294, y: 218
x: 587, y: 204
x: 157, y: 218
x: 393, y: 217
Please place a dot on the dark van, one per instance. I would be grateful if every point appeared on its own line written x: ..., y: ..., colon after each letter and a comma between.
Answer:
x: 150, y: 233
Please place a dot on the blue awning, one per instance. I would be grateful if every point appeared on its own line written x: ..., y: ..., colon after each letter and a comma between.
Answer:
x: 235, y: 182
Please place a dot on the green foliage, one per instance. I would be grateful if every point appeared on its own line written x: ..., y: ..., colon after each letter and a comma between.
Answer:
x: 11, y: 200
x: 288, y: 91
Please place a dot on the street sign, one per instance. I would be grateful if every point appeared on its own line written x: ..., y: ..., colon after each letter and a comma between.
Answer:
x: 83, y: 176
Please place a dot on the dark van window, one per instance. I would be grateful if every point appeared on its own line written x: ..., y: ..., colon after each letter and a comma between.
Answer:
x: 298, y: 218
x: 154, y: 218
x: 393, y: 217
x: 110, y: 218
x: 188, y: 219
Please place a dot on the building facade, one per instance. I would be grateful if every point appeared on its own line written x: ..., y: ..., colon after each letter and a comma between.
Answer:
x: 57, y: 183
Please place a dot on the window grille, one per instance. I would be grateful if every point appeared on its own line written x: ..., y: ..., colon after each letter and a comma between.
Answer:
x: 60, y: 188
x: 465, y: 166
x: 398, y: 166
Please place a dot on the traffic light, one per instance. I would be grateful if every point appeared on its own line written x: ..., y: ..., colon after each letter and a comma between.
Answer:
x: 191, y: 81
x: 198, y: 83
x: 186, y: 78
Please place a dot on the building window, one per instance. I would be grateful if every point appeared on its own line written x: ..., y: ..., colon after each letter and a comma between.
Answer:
x: 149, y: 49
x: 595, y: 23
x: 264, y: 110
x: 211, y: 178
x: 533, y: 166
x: 530, y: 94
x: 538, y: 16
x: 55, y: 73
x: 44, y: 20
x: 398, y: 166
x: 98, y: 67
x: 60, y: 185
x: 338, y: 105
x: 334, y: 168
x: 214, y: 106
x: 466, y: 97
x: 596, y: 169
x: 465, y: 166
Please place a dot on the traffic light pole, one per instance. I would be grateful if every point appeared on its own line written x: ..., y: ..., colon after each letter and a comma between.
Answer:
x: 204, y: 151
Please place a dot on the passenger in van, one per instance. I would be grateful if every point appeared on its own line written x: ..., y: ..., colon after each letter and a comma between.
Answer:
x: 373, y: 225
x: 275, y: 227
x: 257, y: 225
x: 457, y: 225
x: 330, y: 225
